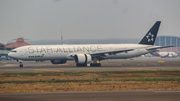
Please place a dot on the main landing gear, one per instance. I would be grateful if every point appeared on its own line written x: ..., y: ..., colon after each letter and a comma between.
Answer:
x: 95, y: 64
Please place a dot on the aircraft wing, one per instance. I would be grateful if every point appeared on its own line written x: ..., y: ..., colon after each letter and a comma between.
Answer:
x: 113, y: 52
x: 158, y: 47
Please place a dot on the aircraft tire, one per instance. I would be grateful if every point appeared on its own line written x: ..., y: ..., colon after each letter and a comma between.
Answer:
x: 21, y: 65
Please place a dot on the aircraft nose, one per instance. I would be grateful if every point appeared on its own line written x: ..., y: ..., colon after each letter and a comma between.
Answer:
x: 10, y: 55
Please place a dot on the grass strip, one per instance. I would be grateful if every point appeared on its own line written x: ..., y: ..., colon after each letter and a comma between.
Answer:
x: 50, y: 81
x: 79, y: 73
x: 93, y: 80
x: 151, y: 79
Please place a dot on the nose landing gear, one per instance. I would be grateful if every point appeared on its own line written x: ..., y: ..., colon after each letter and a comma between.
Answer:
x: 20, y: 63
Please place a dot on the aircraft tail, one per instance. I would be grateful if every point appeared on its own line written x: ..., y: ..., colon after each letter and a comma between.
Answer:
x: 150, y: 37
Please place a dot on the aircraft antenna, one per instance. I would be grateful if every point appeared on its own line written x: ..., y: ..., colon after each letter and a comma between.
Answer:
x: 61, y: 36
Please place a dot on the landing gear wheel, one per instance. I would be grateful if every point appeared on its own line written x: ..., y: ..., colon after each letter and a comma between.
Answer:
x: 21, y: 65
x: 95, y: 64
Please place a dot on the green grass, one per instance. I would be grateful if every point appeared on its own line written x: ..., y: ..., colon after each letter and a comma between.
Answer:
x: 92, y: 80
x: 38, y: 73
x: 81, y: 73
x: 110, y: 76
x: 50, y: 81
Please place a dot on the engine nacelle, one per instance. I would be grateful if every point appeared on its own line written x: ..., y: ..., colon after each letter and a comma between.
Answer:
x: 82, y: 58
x: 58, y: 61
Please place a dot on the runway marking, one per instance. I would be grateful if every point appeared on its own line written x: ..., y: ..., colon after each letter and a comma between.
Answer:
x: 160, y: 61
x: 3, y: 62
x: 47, y: 70
x: 141, y: 68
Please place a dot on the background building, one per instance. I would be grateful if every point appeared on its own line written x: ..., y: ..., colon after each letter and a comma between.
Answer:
x: 5, y: 49
x: 167, y: 41
x: 20, y: 42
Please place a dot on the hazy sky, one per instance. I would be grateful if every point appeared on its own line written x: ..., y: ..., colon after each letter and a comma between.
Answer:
x: 86, y: 19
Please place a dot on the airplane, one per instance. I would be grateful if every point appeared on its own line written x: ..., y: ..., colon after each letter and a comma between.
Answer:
x: 84, y: 54
x: 165, y: 54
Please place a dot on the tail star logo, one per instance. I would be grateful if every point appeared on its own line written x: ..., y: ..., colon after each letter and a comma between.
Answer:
x: 150, y: 37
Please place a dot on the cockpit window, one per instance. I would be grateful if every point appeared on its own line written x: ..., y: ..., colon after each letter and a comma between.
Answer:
x: 14, y: 51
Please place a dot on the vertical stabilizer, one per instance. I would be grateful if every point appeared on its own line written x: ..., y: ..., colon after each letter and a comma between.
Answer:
x: 150, y: 37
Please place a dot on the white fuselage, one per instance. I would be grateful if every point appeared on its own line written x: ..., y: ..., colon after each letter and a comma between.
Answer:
x: 64, y: 52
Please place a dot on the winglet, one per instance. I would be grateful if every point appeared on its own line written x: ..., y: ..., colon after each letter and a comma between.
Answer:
x: 150, y: 37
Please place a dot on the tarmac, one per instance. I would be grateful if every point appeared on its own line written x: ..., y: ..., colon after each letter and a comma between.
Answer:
x: 153, y: 95
x: 61, y: 69
x: 31, y: 66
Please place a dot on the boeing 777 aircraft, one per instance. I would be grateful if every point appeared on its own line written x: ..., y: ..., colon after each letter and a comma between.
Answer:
x: 87, y: 53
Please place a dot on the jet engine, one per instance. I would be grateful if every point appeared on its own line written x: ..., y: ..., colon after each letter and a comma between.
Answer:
x: 58, y: 61
x: 82, y: 59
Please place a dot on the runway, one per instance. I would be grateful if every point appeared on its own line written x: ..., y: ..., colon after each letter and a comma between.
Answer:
x: 31, y: 66
x: 61, y: 69
x: 94, y: 96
